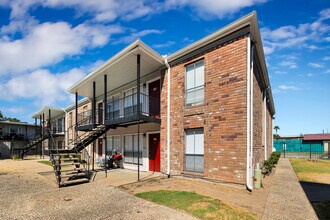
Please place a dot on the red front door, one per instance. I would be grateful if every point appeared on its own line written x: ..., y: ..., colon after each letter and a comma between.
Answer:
x: 154, y: 152
x: 99, y: 149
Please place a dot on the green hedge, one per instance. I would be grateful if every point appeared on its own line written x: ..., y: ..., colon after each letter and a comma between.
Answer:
x: 271, y: 162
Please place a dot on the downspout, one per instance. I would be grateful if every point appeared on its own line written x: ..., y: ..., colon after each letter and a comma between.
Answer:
x: 248, y: 184
x: 265, y: 120
x: 168, y: 118
x: 251, y: 112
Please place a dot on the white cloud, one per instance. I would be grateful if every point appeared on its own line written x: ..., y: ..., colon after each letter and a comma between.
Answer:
x: 212, y: 8
x: 289, y: 63
x: 297, y: 36
x: 287, y: 87
x: 101, y: 10
x: 280, y: 72
x: 41, y: 86
x: 110, y: 10
x: 49, y: 43
x: 326, y: 58
x: 316, y: 65
x: 136, y: 35
x: 164, y: 45
x: 309, y: 74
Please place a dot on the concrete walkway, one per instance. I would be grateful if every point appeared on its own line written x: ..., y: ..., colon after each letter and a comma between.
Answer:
x: 287, y: 199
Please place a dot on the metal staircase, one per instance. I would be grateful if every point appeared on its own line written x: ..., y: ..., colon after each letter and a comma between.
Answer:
x: 89, y: 136
x: 71, y: 166
x: 23, y: 150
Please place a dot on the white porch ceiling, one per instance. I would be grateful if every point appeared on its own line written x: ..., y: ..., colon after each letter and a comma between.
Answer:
x: 120, y: 70
x: 54, y: 113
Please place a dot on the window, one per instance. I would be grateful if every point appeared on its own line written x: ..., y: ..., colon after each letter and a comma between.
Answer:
x: 114, y: 106
x: 113, y: 142
x: 85, y: 120
x: 131, y: 153
x: 53, y: 124
x: 194, y: 150
x: 85, y: 111
x: 195, y: 83
x: 130, y: 101
x: 70, y: 119
x: 60, y: 128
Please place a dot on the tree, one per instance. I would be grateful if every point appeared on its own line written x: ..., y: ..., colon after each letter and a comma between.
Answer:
x: 276, y: 128
x: 276, y: 136
x: 2, y: 118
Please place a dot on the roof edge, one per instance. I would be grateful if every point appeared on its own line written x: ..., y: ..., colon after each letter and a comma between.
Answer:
x: 114, y: 59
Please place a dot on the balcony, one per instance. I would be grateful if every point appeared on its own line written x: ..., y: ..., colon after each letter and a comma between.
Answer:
x: 57, y: 130
x: 124, y: 111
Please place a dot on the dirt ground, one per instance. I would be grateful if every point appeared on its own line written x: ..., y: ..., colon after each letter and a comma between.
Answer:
x: 235, y: 195
x: 25, y: 194
x: 29, y: 191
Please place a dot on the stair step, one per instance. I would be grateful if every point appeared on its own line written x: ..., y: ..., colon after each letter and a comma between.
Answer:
x: 73, y: 170
x: 69, y: 159
x: 68, y: 182
x: 68, y: 163
x: 67, y: 154
x: 72, y: 175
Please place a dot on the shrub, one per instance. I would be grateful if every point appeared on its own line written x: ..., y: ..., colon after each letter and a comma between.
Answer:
x: 271, y: 162
x: 15, y: 157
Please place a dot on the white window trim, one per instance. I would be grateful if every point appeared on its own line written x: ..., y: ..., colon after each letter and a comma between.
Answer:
x: 196, y: 88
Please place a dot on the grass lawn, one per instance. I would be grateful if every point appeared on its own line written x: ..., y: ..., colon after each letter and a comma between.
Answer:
x: 308, y: 166
x: 200, y: 206
x: 311, y: 170
x: 317, y: 171
x: 47, y: 162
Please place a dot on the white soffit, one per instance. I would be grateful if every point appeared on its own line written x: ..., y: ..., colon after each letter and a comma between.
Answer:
x: 54, y: 113
x: 120, y: 70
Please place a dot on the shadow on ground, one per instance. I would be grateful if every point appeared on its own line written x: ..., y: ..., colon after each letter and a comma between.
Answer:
x: 318, y: 195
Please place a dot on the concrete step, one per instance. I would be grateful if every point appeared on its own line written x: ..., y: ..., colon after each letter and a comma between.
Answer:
x: 68, y: 182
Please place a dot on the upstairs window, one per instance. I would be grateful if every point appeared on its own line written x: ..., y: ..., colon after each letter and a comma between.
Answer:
x: 195, y: 83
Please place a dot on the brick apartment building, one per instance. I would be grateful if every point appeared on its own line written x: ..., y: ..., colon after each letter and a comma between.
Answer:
x: 205, y: 110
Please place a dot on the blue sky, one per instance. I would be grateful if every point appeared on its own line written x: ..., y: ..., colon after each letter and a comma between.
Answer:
x: 47, y: 45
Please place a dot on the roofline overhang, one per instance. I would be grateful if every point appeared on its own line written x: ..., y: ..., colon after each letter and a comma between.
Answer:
x: 81, y: 102
x: 138, y: 44
x: 45, y: 110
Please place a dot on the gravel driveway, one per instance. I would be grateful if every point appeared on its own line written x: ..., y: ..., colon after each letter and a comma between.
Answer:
x: 25, y: 194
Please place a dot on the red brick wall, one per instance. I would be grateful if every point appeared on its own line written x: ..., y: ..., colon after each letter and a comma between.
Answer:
x: 258, y: 123
x: 223, y: 114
